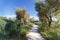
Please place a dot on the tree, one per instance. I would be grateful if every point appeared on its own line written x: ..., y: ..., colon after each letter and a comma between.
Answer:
x: 20, y: 15
x: 46, y: 10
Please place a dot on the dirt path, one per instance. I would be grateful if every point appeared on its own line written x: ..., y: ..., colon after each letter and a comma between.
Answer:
x: 34, y: 35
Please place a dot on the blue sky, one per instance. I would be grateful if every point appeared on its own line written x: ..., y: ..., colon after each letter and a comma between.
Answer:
x: 7, y: 7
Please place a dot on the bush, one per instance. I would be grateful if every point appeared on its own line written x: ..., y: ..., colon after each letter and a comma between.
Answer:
x: 2, y: 25
x: 51, y: 34
x: 24, y: 30
x: 2, y: 28
x: 9, y: 29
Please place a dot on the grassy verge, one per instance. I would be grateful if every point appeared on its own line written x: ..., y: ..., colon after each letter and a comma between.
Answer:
x: 24, y: 30
x: 53, y: 33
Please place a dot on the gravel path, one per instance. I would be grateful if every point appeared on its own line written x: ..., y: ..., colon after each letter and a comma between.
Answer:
x: 34, y: 35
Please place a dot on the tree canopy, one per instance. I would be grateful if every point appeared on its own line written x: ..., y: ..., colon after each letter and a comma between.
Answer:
x: 46, y: 10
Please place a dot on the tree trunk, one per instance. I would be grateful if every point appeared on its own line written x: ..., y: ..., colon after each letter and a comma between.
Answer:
x: 50, y: 21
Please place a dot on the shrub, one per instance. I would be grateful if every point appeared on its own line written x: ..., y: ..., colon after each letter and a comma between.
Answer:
x: 9, y: 29
x: 51, y: 34
x: 24, y: 30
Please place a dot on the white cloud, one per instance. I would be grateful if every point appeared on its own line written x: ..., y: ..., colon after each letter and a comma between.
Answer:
x: 35, y: 17
x: 10, y: 16
x: 14, y: 16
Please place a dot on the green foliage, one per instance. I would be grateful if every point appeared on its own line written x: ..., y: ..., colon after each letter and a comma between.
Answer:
x: 10, y: 29
x: 46, y: 10
x: 7, y: 28
x: 52, y: 34
x: 11, y: 25
x: 24, y: 30
x: 2, y: 25
x: 37, y: 22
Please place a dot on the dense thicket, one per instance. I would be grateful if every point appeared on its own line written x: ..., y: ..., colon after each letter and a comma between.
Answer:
x: 14, y: 29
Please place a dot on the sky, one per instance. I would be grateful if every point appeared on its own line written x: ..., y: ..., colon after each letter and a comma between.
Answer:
x: 8, y: 7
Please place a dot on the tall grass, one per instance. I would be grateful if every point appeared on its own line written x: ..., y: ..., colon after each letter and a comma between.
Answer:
x: 52, y: 33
